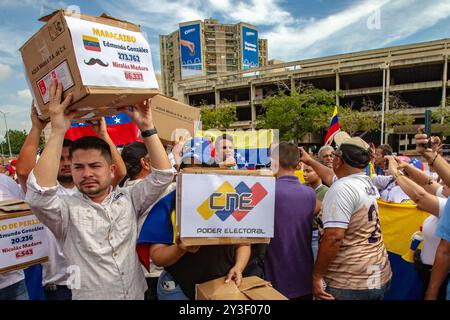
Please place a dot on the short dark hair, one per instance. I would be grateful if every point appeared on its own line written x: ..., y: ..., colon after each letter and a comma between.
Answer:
x: 67, y: 143
x: 223, y: 137
x: 385, y: 149
x: 131, y: 155
x: 88, y: 143
x: 288, y: 155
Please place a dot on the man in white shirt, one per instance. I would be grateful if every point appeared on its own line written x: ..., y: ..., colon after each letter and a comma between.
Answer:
x: 56, y: 272
x: 352, y: 261
x: 97, y: 226
x: 12, y: 284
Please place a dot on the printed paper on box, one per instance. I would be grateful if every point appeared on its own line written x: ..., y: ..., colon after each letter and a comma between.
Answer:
x: 227, y: 206
x: 121, y: 54
x: 62, y: 73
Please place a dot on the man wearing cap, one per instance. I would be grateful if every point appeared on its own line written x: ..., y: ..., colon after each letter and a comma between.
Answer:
x: 352, y: 262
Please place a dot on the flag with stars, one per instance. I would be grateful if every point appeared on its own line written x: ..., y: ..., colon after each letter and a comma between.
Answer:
x: 251, y: 147
x: 121, y: 129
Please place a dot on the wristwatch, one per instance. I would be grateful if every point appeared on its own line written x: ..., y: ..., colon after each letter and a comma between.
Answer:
x: 148, y: 133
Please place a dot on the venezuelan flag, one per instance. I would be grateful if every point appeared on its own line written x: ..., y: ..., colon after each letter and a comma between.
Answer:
x: 91, y: 43
x: 334, y: 126
x: 251, y: 147
x: 120, y: 128
x: 399, y: 221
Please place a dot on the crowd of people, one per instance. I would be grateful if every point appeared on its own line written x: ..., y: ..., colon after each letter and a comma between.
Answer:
x: 110, y: 215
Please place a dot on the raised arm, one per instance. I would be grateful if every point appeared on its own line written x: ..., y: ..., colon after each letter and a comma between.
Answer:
x: 121, y: 171
x: 41, y: 185
x: 419, y: 177
x: 423, y: 199
x: 325, y: 173
x: 148, y: 190
x: 142, y: 116
x: 46, y: 170
x: 432, y: 155
x: 28, y: 154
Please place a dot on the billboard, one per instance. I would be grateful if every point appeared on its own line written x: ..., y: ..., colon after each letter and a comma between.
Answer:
x: 191, y: 50
x: 249, y: 48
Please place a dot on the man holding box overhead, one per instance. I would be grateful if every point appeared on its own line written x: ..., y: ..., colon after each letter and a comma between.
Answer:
x: 97, y: 226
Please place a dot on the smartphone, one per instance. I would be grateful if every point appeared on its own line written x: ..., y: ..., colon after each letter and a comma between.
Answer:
x: 427, y: 126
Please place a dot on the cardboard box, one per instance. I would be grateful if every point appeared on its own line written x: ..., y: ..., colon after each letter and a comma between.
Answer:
x: 23, y: 240
x: 173, y: 118
x: 251, y: 288
x: 104, y: 62
x: 199, y: 224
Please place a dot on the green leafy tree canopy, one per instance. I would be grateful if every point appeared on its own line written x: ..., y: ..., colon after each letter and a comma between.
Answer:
x: 305, y: 110
x: 220, y: 117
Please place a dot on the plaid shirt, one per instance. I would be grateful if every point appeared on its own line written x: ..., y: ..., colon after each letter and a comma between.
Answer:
x: 99, y: 239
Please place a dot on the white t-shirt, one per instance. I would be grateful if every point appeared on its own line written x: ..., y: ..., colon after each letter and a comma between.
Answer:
x: 351, y: 204
x: 430, y: 241
x: 389, y: 190
x: 10, y: 190
x: 55, y: 270
x: 340, y: 205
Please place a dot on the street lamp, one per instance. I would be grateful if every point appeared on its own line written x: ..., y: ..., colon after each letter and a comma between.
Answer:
x: 383, y: 67
x: 7, y: 134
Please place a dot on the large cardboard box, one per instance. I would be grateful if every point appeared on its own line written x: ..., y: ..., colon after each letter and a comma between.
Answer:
x: 219, y: 207
x: 105, y: 62
x: 251, y: 288
x: 23, y: 240
x: 173, y: 119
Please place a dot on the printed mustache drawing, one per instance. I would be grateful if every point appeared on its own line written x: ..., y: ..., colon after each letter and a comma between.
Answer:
x: 96, y: 61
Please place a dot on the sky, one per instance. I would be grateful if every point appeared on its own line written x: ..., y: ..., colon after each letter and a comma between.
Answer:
x: 295, y: 29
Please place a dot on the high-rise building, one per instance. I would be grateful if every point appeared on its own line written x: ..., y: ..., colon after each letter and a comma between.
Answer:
x: 202, y: 48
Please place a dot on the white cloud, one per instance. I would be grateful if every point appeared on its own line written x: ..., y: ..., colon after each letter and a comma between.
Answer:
x: 17, y: 117
x: 24, y: 94
x: 5, y: 71
x: 260, y: 12
x: 166, y: 15
x: 347, y: 31
x: 289, y: 41
x: 11, y: 39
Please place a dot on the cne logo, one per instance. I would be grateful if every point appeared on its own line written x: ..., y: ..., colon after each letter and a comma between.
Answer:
x: 232, y: 201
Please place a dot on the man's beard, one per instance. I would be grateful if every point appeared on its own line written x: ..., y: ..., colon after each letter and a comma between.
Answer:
x: 92, y: 192
x: 65, y: 179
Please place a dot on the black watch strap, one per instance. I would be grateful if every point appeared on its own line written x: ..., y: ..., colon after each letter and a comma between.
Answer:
x: 148, y: 133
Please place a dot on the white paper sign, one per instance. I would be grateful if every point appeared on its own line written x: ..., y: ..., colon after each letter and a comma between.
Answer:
x: 110, y: 56
x: 22, y: 240
x: 227, y: 206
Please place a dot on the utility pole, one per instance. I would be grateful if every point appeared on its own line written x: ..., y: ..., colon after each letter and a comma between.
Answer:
x: 7, y: 135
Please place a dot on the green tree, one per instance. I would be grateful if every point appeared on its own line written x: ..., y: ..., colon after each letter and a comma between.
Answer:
x: 441, y: 115
x: 17, y: 138
x: 305, y: 110
x: 368, y: 118
x: 220, y: 117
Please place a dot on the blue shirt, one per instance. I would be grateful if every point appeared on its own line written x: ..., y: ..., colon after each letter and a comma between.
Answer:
x: 443, y: 228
